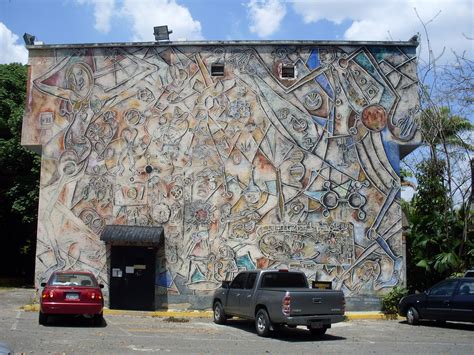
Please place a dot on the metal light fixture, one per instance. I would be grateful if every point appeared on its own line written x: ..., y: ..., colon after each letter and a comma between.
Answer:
x: 29, y: 39
x: 161, y: 33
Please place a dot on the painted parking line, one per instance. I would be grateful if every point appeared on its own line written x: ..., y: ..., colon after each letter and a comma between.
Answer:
x: 17, y: 318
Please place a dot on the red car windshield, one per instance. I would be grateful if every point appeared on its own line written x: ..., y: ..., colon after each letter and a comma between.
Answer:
x: 72, y: 280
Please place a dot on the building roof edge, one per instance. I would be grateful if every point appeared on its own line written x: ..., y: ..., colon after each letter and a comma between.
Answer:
x: 411, y: 43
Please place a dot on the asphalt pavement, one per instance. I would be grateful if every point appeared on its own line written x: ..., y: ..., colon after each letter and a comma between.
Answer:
x: 128, y: 332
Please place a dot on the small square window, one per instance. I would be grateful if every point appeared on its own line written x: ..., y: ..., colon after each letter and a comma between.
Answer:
x: 217, y: 69
x: 288, y: 71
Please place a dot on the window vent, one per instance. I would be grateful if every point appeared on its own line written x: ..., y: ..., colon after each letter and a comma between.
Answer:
x: 288, y: 71
x: 217, y: 69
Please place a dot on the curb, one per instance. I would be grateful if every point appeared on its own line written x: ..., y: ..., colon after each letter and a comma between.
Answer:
x: 208, y: 314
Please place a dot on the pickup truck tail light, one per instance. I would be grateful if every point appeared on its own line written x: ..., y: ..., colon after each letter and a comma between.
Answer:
x: 286, y: 304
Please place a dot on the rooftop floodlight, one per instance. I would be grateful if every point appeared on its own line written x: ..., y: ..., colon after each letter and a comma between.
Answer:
x: 29, y: 39
x: 161, y: 33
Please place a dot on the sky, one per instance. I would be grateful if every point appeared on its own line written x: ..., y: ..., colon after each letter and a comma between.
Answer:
x: 450, y: 23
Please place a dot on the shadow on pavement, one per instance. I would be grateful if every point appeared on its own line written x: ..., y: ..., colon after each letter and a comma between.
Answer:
x: 73, y: 322
x: 285, y: 333
x: 445, y: 325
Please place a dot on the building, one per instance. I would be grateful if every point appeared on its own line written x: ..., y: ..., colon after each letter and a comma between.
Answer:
x: 169, y: 167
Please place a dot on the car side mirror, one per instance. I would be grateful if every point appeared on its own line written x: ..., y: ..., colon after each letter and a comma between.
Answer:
x: 43, y: 284
x: 225, y: 284
x: 101, y: 285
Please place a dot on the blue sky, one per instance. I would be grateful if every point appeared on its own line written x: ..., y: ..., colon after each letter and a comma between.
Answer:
x: 84, y: 21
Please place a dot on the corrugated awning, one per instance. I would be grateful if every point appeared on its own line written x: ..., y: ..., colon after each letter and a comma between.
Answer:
x: 133, y: 234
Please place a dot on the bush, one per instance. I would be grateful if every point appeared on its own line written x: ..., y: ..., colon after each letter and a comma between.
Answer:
x: 390, y: 300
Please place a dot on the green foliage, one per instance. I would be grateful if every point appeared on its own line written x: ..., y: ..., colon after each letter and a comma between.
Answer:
x: 442, y: 127
x: 436, y: 231
x: 19, y: 176
x: 390, y: 300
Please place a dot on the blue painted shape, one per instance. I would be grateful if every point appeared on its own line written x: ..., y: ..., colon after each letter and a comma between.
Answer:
x: 391, y: 151
x: 313, y: 61
x: 365, y: 63
x: 320, y: 120
x: 409, y: 51
x: 381, y: 53
x: 271, y: 187
x: 315, y: 195
x: 322, y: 80
x: 245, y: 262
x: 387, y: 100
x: 165, y: 279
x: 197, y: 276
x: 331, y: 122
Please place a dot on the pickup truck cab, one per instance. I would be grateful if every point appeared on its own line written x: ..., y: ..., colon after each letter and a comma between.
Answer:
x: 277, y: 298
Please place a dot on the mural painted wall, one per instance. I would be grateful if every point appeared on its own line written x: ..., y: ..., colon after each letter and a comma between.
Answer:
x: 245, y: 170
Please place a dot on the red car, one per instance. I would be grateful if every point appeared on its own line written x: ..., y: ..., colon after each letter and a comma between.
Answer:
x: 72, y: 292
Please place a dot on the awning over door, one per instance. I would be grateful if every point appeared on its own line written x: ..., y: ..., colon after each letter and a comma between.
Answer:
x: 132, y: 234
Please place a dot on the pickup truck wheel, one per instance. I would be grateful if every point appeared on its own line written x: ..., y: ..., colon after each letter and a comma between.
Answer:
x: 318, y: 332
x: 262, y: 323
x: 413, y: 316
x: 219, y: 315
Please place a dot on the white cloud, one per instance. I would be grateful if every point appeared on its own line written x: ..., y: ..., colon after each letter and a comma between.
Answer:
x: 145, y: 14
x: 265, y: 16
x: 103, y: 11
x: 397, y: 20
x: 10, y: 50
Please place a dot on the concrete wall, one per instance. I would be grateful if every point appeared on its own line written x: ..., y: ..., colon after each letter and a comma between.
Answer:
x: 247, y: 170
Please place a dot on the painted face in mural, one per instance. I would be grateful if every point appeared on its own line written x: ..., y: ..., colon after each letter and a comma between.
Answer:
x: 80, y: 81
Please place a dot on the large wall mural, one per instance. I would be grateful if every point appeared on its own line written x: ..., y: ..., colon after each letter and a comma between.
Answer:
x: 245, y: 170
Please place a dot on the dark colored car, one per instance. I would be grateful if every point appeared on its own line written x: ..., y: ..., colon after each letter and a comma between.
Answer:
x: 72, y: 293
x: 448, y: 300
x: 469, y: 273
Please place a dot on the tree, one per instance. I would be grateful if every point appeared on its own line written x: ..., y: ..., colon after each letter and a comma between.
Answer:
x: 19, y: 178
x: 434, y: 237
x: 440, y: 242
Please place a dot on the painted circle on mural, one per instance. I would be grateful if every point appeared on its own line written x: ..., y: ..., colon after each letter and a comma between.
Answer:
x: 374, y: 117
x: 297, y: 171
x: 68, y: 163
x: 161, y: 213
x: 132, y: 193
x: 134, y: 117
x: 313, y: 100
x: 356, y: 200
x: 330, y: 199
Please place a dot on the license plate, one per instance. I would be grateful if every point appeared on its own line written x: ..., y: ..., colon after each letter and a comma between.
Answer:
x: 72, y: 296
x: 316, y: 325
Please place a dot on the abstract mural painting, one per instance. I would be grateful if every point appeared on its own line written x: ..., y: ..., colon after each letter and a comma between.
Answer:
x: 249, y: 169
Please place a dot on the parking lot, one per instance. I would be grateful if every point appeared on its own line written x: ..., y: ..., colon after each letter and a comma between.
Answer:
x: 129, y: 333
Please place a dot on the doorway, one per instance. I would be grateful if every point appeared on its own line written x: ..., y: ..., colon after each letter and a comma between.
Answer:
x: 132, y: 278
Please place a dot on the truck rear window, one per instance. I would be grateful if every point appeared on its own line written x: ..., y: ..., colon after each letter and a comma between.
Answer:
x: 283, y: 280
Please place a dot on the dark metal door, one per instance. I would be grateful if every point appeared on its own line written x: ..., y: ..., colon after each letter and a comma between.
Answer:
x: 132, y: 279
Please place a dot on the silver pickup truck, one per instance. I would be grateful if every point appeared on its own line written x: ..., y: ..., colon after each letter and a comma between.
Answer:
x: 275, y: 298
